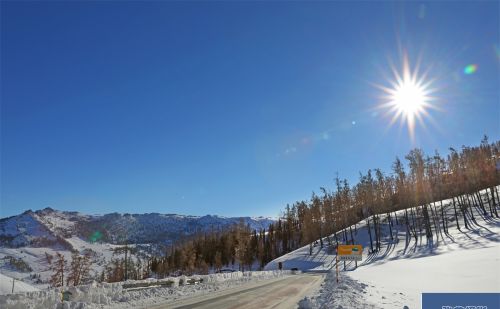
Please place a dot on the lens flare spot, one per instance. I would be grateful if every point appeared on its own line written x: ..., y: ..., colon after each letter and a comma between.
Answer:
x: 470, y: 69
x: 96, y: 236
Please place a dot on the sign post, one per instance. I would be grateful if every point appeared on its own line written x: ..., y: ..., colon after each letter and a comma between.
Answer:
x: 348, y: 253
x: 337, y: 265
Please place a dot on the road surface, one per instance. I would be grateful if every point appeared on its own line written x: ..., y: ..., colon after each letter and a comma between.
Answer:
x: 282, y: 293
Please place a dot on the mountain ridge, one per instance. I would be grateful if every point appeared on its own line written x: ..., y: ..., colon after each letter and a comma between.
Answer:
x: 49, y: 226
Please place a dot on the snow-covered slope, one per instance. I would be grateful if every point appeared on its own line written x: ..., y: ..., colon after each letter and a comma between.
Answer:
x: 19, y: 286
x: 26, y: 229
x: 49, y: 227
x: 460, y: 261
x: 26, y: 240
x: 401, y: 281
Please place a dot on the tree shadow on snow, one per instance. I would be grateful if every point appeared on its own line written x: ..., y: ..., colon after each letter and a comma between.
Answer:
x: 418, y: 249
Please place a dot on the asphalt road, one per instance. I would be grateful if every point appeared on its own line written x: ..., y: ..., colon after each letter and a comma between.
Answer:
x: 278, y: 294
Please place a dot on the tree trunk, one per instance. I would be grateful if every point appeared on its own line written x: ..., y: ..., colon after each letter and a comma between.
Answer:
x: 464, y: 214
x: 427, y: 220
x: 443, y: 218
x: 435, y: 219
x: 414, y: 225
x: 494, y: 203
x: 470, y: 208
x: 481, y: 204
x: 390, y: 224
x: 375, y: 224
x: 490, y: 202
x: 370, y: 233
x: 456, y: 215
x: 407, y: 221
x: 379, y: 233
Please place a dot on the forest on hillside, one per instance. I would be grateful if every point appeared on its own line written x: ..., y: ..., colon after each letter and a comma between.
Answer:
x: 416, y: 186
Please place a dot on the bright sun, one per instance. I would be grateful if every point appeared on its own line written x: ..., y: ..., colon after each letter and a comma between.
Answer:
x: 408, y: 99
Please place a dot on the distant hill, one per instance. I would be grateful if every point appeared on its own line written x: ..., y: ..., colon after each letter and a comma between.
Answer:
x: 49, y: 227
x: 29, y: 239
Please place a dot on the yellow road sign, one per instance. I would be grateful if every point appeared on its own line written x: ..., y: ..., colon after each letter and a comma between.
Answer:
x: 350, y: 252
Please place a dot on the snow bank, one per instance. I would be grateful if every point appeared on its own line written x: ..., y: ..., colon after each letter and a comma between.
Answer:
x: 114, y: 295
x: 348, y: 293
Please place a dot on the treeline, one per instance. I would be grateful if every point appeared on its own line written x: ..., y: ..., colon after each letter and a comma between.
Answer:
x: 417, y: 189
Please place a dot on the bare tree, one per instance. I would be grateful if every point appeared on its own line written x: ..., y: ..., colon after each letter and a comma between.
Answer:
x: 58, y: 268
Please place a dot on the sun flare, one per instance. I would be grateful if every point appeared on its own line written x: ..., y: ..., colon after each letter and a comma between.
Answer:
x: 408, y: 97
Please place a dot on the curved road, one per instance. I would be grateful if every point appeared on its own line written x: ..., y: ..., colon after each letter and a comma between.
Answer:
x: 282, y: 293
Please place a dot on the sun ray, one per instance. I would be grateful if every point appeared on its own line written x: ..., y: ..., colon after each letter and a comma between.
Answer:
x: 408, y: 96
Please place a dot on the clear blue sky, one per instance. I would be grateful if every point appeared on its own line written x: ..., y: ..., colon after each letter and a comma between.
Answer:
x: 226, y: 108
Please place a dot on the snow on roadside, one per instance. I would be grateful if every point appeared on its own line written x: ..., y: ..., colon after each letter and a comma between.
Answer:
x: 114, y: 295
x: 401, y: 282
x: 347, y: 293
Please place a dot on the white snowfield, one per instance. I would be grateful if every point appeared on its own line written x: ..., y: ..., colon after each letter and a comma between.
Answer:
x: 397, y: 275
x: 115, y: 295
x: 36, y: 259
x: 19, y: 286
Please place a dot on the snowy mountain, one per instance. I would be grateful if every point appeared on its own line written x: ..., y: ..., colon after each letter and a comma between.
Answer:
x: 49, y: 227
x: 28, y: 240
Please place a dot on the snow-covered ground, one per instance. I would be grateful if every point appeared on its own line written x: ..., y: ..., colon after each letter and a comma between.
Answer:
x: 397, y: 275
x: 116, y: 295
x: 19, y: 286
x: 400, y: 282
x: 37, y: 260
